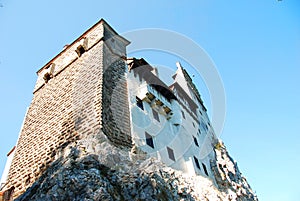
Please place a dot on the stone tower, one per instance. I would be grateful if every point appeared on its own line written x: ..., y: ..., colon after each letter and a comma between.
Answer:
x: 71, y: 100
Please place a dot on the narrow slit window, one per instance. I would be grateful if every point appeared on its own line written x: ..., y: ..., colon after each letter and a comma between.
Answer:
x: 204, y: 168
x: 183, y: 115
x: 171, y: 153
x: 149, y: 140
x: 155, y: 115
x: 196, y: 141
x: 139, y: 103
x: 204, y: 126
x: 197, y: 163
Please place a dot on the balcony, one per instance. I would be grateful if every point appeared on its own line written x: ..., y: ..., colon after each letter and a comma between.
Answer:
x: 150, y: 95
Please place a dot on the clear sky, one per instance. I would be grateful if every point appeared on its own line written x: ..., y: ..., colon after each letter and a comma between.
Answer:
x: 255, y: 46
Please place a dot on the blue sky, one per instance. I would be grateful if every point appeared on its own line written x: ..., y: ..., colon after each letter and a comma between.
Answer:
x: 255, y: 46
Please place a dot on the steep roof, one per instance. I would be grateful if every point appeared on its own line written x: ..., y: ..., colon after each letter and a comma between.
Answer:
x: 143, y: 69
x: 189, y: 83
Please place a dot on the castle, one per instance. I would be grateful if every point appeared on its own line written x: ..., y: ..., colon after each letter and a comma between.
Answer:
x: 92, y: 86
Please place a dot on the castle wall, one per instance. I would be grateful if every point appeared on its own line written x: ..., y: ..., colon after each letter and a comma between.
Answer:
x: 115, y: 106
x: 72, y: 99
x: 185, y: 133
x: 87, y: 89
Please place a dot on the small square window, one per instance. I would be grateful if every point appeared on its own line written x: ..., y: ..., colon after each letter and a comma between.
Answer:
x: 183, y: 115
x: 47, y: 77
x: 80, y: 50
x: 171, y: 153
x: 197, y: 163
x: 155, y: 115
x: 149, y: 140
x: 204, y: 168
x: 139, y: 103
x: 195, y: 141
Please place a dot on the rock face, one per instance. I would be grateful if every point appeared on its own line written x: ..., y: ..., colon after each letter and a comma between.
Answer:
x: 94, y: 169
x: 228, y: 177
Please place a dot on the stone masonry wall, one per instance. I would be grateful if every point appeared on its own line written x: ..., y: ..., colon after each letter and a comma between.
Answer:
x: 115, y: 106
x: 70, y: 107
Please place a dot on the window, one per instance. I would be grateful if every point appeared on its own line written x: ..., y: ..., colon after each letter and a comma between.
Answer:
x: 204, y: 126
x: 204, y: 168
x: 195, y: 141
x: 47, y: 77
x: 197, y: 163
x: 49, y: 72
x: 194, y: 124
x: 155, y: 115
x: 149, y: 140
x: 139, y: 103
x: 171, y: 153
x: 199, y: 131
x: 183, y: 115
x: 80, y: 50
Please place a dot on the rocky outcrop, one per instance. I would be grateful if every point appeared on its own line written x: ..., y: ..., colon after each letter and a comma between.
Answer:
x: 93, y: 169
x: 228, y: 177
